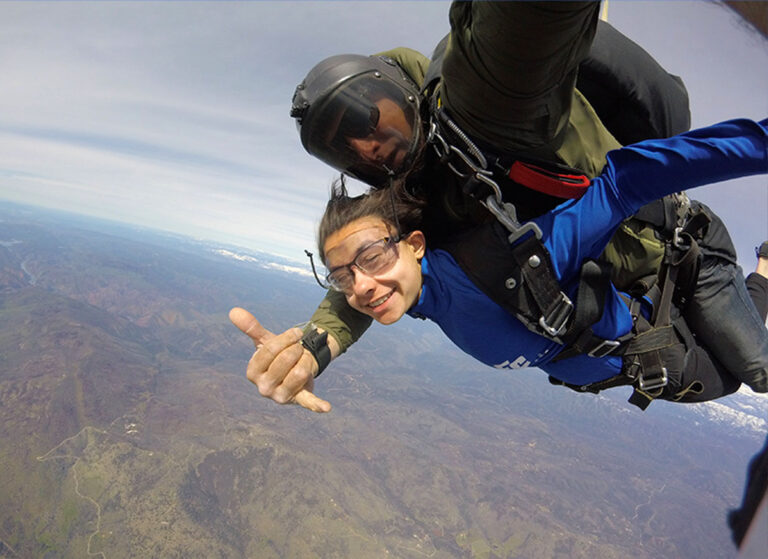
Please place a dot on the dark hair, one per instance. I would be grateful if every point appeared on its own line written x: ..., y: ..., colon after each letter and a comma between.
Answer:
x: 393, y: 205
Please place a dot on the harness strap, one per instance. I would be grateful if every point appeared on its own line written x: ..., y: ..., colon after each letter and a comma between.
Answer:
x: 470, y: 162
x: 594, y: 286
x: 538, y: 276
x: 529, y: 286
x: 689, y: 262
x: 653, y: 338
x: 651, y: 377
x: 561, y: 185
x: 643, y: 366
x: 695, y: 387
x: 641, y: 399
x: 595, y: 387
x: 622, y: 379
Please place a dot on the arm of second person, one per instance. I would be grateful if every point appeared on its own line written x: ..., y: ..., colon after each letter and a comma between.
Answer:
x: 344, y: 324
x: 281, y: 368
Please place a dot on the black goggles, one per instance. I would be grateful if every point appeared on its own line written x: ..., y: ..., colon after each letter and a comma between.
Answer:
x: 358, y: 121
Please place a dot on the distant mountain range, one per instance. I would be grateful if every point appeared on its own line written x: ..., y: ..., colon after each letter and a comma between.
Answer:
x: 128, y: 428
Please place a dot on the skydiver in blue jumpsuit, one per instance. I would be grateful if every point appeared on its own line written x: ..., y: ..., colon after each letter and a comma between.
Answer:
x: 572, y: 232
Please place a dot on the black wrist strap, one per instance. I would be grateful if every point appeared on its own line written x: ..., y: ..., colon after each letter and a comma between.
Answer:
x: 317, y: 344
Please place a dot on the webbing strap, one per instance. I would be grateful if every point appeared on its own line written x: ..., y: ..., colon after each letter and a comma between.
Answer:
x: 617, y: 380
x: 594, y: 285
x: 678, y: 259
x: 644, y: 351
x: 641, y: 399
x: 594, y: 281
x: 643, y: 366
x: 539, y: 279
x: 561, y: 185
x: 688, y: 263
x: 652, y: 339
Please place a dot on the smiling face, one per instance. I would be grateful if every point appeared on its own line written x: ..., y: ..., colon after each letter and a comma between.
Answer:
x: 389, y: 294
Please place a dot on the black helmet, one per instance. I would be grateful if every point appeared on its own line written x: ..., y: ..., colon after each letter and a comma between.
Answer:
x: 343, y: 99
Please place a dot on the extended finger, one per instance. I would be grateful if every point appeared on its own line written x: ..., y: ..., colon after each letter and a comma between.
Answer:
x: 308, y: 400
x: 249, y: 325
x: 272, y: 363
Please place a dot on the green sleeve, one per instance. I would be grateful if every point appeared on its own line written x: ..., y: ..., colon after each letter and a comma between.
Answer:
x: 413, y: 62
x: 585, y: 140
x: 340, y: 320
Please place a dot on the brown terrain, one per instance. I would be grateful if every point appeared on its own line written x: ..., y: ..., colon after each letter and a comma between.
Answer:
x: 128, y: 428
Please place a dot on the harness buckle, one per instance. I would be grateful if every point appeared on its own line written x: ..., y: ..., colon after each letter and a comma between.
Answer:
x: 646, y: 384
x: 507, y: 216
x: 677, y: 240
x: 554, y: 324
x: 605, y: 347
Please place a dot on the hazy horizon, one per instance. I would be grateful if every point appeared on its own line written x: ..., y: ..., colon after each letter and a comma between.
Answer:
x: 174, y: 115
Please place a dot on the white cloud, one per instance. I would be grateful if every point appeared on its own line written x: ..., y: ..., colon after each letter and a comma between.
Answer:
x: 175, y: 114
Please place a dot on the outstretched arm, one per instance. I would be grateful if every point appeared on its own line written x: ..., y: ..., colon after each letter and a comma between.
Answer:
x: 647, y: 171
x: 281, y: 368
x: 344, y: 324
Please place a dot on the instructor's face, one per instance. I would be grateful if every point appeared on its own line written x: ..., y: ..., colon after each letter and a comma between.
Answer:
x: 389, y: 143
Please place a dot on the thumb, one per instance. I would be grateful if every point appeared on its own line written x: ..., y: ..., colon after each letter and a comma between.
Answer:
x: 308, y: 400
x: 248, y: 324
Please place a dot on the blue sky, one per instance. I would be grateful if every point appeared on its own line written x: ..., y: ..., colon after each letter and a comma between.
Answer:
x: 174, y: 115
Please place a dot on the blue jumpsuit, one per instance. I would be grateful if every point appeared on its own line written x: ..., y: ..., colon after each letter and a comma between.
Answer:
x: 580, y: 229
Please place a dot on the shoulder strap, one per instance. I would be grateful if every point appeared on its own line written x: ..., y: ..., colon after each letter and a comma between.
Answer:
x: 520, y: 277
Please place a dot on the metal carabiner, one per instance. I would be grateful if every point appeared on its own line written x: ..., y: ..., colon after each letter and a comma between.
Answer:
x: 507, y: 216
x: 503, y: 211
x: 436, y: 140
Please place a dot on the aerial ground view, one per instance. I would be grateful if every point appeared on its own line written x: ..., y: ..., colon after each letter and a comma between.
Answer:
x: 130, y: 430
x: 162, y: 163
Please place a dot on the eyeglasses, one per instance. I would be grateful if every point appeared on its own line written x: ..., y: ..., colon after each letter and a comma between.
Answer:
x: 375, y: 258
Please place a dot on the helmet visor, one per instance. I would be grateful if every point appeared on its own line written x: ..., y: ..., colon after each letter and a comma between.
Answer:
x: 366, y: 127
